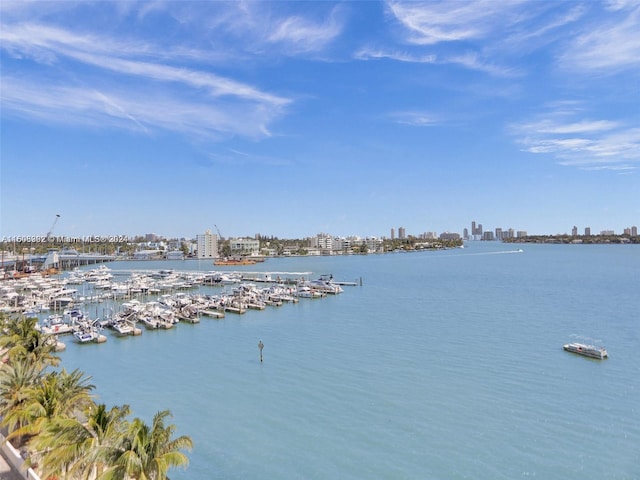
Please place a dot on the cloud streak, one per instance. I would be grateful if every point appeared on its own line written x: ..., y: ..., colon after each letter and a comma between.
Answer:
x: 610, y: 47
x: 103, y: 91
x: 586, y: 144
x: 139, y: 111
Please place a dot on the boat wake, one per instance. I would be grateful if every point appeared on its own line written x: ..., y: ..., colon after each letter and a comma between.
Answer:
x: 585, y: 339
x: 504, y: 252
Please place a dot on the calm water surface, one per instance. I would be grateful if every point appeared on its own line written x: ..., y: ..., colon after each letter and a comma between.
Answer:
x: 442, y: 365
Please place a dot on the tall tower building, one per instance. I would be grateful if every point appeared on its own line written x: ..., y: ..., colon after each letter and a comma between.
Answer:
x: 401, y: 233
x: 587, y: 231
x: 393, y: 234
x: 473, y: 228
x: 574, y: 231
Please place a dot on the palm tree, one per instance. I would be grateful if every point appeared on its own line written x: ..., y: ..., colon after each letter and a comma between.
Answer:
x: 17, y: 381
x: 57, y: 394
x: 21, y: 339
x: 82, y: 449
x: 148, y: 453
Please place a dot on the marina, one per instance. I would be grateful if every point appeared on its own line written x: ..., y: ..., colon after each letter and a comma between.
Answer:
x: 128, y: 301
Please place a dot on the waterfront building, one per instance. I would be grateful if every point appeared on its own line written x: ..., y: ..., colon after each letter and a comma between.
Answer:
x: 322, y: 242
x: 402, y: 234
x: 521, y: 233
x: 429, y: 235
x: 634, y: 231
x: 151, y: 254
x: 587, y: 231
x: 343, y: 244
x: 488, y: 236
x: 499, y: 233
x: 175, y: 255
x: 244, y: 246
x: 207, y: 245
x: 574, y: 231
x: 607, y: 232
x: 374, y: 244
x: 393, y: 234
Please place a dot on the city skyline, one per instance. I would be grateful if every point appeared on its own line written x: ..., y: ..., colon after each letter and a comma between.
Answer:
x: 290, y: 118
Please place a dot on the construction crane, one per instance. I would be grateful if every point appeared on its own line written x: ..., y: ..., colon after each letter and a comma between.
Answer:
x: 55, y: 220
x: 218, y: 230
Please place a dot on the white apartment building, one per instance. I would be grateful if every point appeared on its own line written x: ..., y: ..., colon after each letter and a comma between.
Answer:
x: 207, y: 245
x: 322, y: 242
x: 245, y: 246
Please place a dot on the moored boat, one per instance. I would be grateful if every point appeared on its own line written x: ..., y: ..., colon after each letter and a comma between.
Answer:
x: 586, y: 350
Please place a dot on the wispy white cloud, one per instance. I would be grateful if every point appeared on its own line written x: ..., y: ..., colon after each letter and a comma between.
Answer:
x: 469, y: 34
x: 139, y: 110
x: 467, y: 60
x: 372, y: 53
x: 429, y: 23
x: 473, y: 61
x: 42, y: 42
x: 607, y: 47
x: 300, y: 34
x: 593, y: 144
x: 164, y: 95
x: 268, y: 29
x: 415, y: 118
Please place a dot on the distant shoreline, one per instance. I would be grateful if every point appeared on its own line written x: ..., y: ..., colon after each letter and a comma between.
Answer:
x: 577, y: 240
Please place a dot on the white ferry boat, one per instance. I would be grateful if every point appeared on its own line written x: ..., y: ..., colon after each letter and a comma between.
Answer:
x: 586, y: 350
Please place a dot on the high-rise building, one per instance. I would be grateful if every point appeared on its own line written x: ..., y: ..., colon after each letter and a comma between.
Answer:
x: 574, y: 231
x: 207, y: 245
x: 587, y: 231
x: 634, y: 231
x: 393, y: 234
x: 473, y: 228
x: 401, y: 233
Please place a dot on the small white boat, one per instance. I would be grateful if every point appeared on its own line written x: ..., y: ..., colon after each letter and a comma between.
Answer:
x: 586, y: 350
x: 123, y: 328
x: 85, y: 336
x: 55, y: 325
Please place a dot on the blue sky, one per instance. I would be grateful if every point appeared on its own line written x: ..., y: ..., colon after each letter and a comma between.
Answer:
x: 294, y: 118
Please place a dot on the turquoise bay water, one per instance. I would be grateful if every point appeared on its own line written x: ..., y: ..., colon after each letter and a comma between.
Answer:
x: 442, y: 365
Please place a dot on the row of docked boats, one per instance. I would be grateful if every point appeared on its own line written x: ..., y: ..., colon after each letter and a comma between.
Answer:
x: 37, y: 293
x: 75, y: 322
x: 169, y: 309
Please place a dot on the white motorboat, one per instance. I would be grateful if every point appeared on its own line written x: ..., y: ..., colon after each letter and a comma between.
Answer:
x: 586, y: 350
